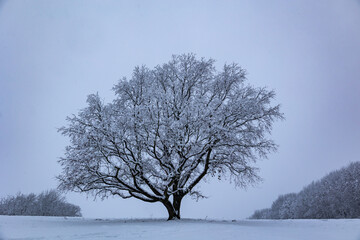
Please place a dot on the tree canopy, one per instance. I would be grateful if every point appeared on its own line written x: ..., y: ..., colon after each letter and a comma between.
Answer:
x: 167, y: 129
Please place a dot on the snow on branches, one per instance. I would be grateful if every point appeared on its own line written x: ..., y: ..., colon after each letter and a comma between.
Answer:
x: 166, y: 130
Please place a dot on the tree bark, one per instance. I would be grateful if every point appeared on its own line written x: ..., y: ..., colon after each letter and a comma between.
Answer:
x: 176, y: 204
x: 173, y: 208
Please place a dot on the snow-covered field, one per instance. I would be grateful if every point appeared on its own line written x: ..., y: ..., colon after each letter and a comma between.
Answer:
x: 15, y: 227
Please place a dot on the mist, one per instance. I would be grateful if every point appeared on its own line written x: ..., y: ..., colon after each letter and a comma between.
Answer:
x: 53, y: 54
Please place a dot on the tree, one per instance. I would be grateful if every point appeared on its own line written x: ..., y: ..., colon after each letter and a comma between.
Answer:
x: 282, y: 207
x: 51, y: 203
x: 337, y: 195
x: 166, y: 130
x: 48, y: 203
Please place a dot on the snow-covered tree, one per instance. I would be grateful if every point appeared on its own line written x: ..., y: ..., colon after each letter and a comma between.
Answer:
x: 48, y: 203
x: 52, y: 203
x: 337, y: 195
x: 166, y: 130
x: 287, y: 206
x: 262, y: 214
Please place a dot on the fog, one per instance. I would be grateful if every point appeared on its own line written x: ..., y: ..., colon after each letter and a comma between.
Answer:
x: 54, y: 53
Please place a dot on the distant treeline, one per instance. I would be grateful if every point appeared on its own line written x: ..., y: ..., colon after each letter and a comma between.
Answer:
x: 337, y: 195
x: 47, y: 203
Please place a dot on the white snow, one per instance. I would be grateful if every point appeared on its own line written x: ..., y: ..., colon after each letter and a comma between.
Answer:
x: 21, y: 227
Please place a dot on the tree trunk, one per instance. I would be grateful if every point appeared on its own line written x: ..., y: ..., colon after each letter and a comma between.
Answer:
x: 176, y: 204
x: 173, y: 208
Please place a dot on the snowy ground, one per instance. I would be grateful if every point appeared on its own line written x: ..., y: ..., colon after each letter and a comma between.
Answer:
x: 14, y: 227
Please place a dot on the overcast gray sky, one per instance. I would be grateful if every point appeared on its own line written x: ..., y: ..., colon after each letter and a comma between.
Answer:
x: 54, y: 53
